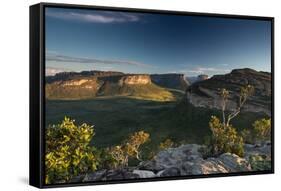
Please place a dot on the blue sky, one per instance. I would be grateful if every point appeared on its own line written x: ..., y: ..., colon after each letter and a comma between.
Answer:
x: 80, y: 39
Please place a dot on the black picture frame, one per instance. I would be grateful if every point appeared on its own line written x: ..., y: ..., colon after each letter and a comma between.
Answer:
x: 37, y: 92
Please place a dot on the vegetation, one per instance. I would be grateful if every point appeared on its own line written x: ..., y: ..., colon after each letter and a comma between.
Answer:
x: 224, y: 136
x: 259, y: 162
x: 168, y: 143
x: 68, y: 152
x: 129, y: 149
x: 262, y: 129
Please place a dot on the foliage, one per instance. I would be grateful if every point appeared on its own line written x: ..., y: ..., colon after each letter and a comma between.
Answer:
x: 129, y: 149
x: 262, y: 129
x: 168, y: 143
x: 245, y: 92
x: 259, y: 162
x: 68, y: 152
x: 225, y: 138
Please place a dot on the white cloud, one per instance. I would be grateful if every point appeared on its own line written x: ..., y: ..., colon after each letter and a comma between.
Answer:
x: 205, y: 70
x: 51, y: 71
x: 55, y: 57
x: 94, y: 17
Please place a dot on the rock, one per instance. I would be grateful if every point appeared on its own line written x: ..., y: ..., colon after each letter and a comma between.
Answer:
x: 234, y: 163
x: 173, y: 171
x: 121, y: 174
x: 173, y: 81
x: 144, y: 173
x: 135, y: 79
x: 261, y: 149
x: 151, y: 166
x: 206, y: 93
x: 176, y: 156
x: 95, y: 176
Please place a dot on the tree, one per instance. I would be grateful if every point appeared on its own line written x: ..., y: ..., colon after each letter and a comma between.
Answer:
x: 245, y: 92
x: 224, y: 136
x: 68, y: 152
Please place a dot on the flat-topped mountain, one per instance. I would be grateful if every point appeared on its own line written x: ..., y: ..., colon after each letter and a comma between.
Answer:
x: 198, y: 78
x: 85, y: 85
x: 173, y: 81
x: 207, y: 93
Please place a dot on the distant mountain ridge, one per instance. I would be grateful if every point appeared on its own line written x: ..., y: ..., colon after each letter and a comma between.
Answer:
x: 206, y: 93
x: 90, y: 84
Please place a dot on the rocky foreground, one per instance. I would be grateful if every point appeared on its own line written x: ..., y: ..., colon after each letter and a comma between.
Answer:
x: 182, y: 161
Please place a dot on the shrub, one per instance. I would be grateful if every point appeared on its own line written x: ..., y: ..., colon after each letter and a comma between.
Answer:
x: 129, y: 149
x: 262, y: 129
x: 225, y: 138
x: 68, y: 152
x: 259, y: 162
x: 168, y: 143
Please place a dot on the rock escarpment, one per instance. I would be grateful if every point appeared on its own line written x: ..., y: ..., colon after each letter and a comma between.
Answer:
x: 91, y: 84
x: 181, y: 161
x: 173, y: 81
x: 134, y: 80
x: 207, y: 93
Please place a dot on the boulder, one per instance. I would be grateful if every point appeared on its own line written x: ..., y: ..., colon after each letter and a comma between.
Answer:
x: 144, y: 173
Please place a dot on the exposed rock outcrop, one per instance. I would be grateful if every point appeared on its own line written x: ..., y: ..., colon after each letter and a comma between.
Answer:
x: 135, y: 80
x: 207, y: 93
x: 173, y: 81
x: 182, y: 161
x: 198, y: 78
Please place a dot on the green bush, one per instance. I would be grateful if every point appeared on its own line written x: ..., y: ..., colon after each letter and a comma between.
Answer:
x: 259, y: 162
x: 262, y: 129
x: 168, y: 143
x: 119, y: 155
x: 68, y: 152
x: 225, y: 138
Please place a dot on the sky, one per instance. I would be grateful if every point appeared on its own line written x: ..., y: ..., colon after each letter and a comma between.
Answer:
x: 83, y: 39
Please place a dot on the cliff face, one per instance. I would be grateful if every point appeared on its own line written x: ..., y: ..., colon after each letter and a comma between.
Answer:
x: 198, y: 78
x: 207, y: 93
x: 135, y: 80
x: 95, y: 83
x: 173, y: 81
x: 72, y: 75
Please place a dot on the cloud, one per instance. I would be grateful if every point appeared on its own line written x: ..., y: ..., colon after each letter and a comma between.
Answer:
x: 51, y: 71
x: 204, y: 70
x: 54, y: 57
x: 94, y: 16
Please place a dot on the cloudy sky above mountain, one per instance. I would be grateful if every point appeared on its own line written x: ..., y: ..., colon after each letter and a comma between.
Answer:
x: 81, y: 39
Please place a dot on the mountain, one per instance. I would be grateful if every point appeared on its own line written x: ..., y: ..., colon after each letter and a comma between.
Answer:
x: 91, y: 84
x: 173, y: 81
x: 206, y: 93
x: 198, y: 78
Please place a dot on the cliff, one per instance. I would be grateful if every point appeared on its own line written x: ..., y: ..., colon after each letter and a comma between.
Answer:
x: 93, y: 84
x: 207, y: 93
x: 173, y: 81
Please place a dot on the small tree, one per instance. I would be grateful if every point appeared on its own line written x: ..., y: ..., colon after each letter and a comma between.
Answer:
x: 225, y: 137
x: 245, y: 92
x: 68, y: 152
x: 130, y: 148
x: 262, y: 129
x: 168, y: 143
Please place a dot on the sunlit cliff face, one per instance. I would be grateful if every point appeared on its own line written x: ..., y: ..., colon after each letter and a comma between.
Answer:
x: 135, y: 80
